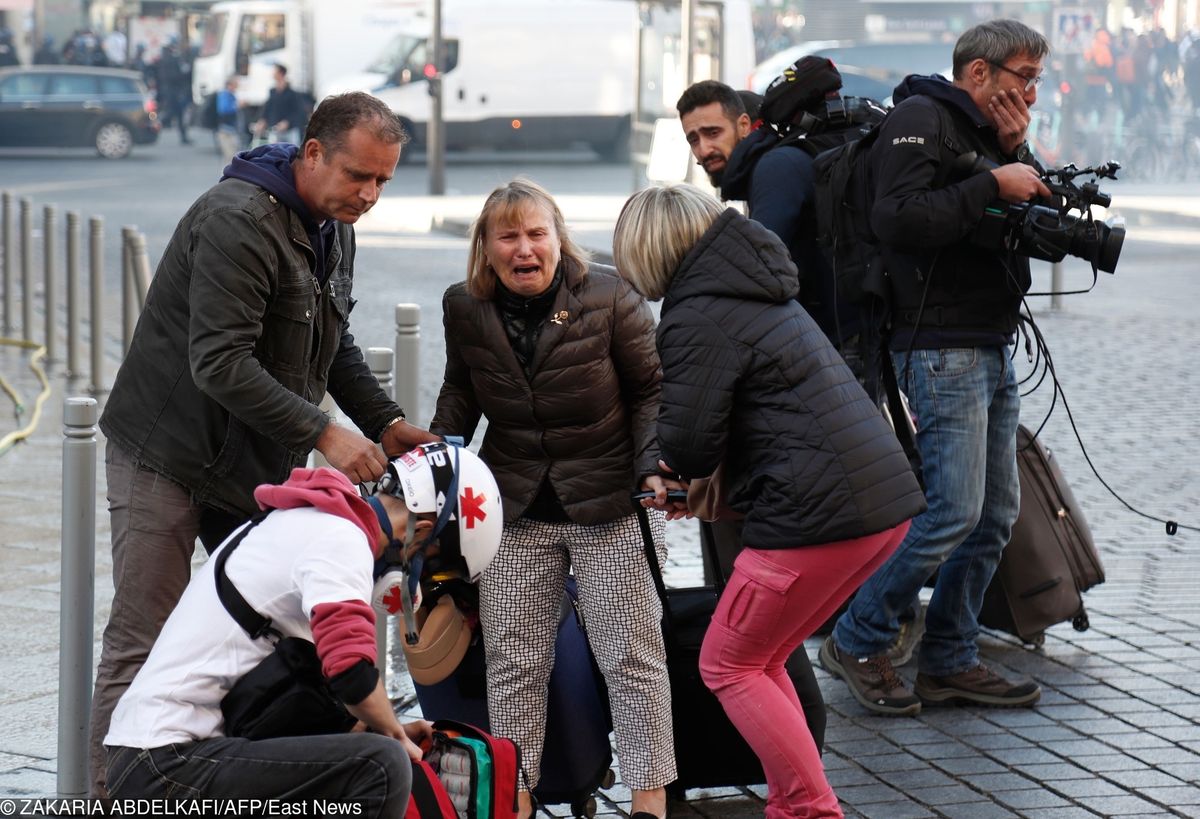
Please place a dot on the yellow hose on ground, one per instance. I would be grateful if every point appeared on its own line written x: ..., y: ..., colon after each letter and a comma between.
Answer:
x: 11, y: 438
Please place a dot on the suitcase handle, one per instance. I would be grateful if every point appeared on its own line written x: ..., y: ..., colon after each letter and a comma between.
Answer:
x: 706, y: 543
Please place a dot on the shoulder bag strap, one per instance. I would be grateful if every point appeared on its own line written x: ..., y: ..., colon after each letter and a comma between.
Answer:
x: 246, y: 616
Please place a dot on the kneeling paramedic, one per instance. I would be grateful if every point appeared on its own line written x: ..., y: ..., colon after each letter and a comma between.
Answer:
x: 312, y: 565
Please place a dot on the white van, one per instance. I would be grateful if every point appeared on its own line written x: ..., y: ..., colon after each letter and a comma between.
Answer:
x: 316, y: 40
x: 528, y: 74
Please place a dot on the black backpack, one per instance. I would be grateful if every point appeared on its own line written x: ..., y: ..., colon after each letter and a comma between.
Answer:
x: 833, y: 123
x: 844, y: 194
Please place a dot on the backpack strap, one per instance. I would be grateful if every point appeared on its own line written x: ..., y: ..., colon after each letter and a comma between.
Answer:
x: 951, y: 149
x: 242, y: 612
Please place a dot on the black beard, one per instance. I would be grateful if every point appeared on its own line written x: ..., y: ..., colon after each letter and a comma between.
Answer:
x: 716, y: 177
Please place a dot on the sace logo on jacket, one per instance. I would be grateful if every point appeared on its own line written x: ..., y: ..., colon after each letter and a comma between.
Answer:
x: 909, y: 140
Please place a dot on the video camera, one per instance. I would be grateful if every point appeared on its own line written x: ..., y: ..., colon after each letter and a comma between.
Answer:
x: 1050, y: 232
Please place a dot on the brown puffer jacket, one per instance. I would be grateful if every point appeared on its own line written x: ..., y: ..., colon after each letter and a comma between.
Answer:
x: 586, y: 414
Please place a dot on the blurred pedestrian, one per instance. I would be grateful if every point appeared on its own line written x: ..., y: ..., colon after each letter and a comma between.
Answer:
x: 116, y: 47
x: 230, y: 130
x: 1189, y: 52
x: 284, y: 112
x: 46, y: 53
x: 175, y: 87
x: 8, y: 49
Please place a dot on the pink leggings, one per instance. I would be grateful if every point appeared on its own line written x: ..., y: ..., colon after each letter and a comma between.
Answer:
x: 774, y: 600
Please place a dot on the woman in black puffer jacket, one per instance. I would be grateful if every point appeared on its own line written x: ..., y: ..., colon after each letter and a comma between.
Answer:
x: 750, y: 381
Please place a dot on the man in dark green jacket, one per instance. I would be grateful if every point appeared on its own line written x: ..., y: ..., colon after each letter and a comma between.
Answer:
x: 245, y: 329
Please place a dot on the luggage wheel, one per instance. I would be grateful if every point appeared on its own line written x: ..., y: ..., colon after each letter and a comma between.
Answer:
x: 1036, y: 641
x: 585, y: 809
x: 1080, y: 622
x: 610, y: 779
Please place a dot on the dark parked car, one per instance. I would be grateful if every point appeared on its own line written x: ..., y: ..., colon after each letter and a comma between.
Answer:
x: 49, y: 106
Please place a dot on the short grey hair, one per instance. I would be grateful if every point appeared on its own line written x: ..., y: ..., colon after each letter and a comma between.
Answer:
x: 338, y: 115
x: 657, y: 228
x: 997, y: 42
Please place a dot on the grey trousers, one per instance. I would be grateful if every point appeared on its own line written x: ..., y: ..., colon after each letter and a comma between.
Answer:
x: 371, y: 770
x: 154, y: 528
x: 519, y: 597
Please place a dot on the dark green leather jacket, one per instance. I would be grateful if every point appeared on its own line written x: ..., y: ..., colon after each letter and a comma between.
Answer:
x: 235, y: 348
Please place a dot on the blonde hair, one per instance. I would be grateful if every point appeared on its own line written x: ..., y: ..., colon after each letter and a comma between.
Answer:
x: 506, y: 205
x: 656, y: 229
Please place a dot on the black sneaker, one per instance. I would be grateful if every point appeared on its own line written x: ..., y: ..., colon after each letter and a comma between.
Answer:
x: 977, y: 686
x: 872, y: 680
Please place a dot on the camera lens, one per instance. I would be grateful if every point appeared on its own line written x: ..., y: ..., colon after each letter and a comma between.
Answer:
x: 1112, y: 238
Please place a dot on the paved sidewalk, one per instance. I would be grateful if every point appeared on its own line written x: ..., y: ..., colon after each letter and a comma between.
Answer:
x: 1118, y: 730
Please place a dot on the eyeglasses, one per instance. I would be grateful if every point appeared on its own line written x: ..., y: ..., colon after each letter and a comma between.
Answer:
x: 1030, y: 82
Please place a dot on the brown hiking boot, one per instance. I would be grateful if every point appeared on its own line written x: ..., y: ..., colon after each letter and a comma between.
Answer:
x: 977, y: 686
x: 872, y: 680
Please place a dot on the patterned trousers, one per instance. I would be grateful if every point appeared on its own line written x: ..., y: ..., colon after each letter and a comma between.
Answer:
x: 519, y: 598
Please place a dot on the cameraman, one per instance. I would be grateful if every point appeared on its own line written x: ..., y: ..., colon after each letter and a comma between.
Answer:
x: 954, y: 314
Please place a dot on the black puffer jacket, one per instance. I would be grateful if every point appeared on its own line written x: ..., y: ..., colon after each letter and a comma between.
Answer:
x: 749, y: 377
x: 583, y: 418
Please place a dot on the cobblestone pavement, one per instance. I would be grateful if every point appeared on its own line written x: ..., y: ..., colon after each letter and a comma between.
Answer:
x: 1117, y: 732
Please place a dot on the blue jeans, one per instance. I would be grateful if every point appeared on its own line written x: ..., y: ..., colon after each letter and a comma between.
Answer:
x: 967, y: 407
x: 370, y: 769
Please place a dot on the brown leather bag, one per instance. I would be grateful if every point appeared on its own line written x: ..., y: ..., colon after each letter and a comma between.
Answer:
x: 706, y: 498
x: 1050, y: 559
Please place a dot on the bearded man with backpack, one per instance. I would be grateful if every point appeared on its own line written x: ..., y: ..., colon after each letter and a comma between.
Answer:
x: 767, y: 162
x: 735, y: 149
x: 952, y: 318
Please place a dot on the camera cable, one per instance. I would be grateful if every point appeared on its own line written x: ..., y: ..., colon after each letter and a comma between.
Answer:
x: 1030, y: 329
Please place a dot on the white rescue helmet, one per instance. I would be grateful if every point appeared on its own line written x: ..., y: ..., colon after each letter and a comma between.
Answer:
x: 453, y: 483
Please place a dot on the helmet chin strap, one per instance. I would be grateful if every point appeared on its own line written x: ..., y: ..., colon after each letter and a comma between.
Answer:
x: 393, y: 554
x: 409, y: 589
x: 412, y: 565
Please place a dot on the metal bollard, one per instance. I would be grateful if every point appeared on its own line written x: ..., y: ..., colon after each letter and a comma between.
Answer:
x: 48, y: 289
x: 1056, y: 285
x: 141, y: 269
x: 96, y: 266
x: 7, y: 261
x: 73, y: 294
x: 77, y: 594
x: 408, y: 361
x: 380, y: 361
x: 26, y: 269
x: 129, y: 309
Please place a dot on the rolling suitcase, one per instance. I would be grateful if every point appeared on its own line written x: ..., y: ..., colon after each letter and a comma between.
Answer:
x: 577, y: 755
x: 699, y: 722
x: 1050, y: 559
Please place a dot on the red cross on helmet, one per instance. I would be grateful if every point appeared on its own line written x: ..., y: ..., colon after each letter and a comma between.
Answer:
x: 468, y: 531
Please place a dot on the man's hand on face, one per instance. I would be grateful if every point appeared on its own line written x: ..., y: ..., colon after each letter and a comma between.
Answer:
x: 1010, y: 115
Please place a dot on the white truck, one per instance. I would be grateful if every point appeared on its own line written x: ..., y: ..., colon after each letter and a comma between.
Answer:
x: 315, y: 39
x: 541, y: 74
